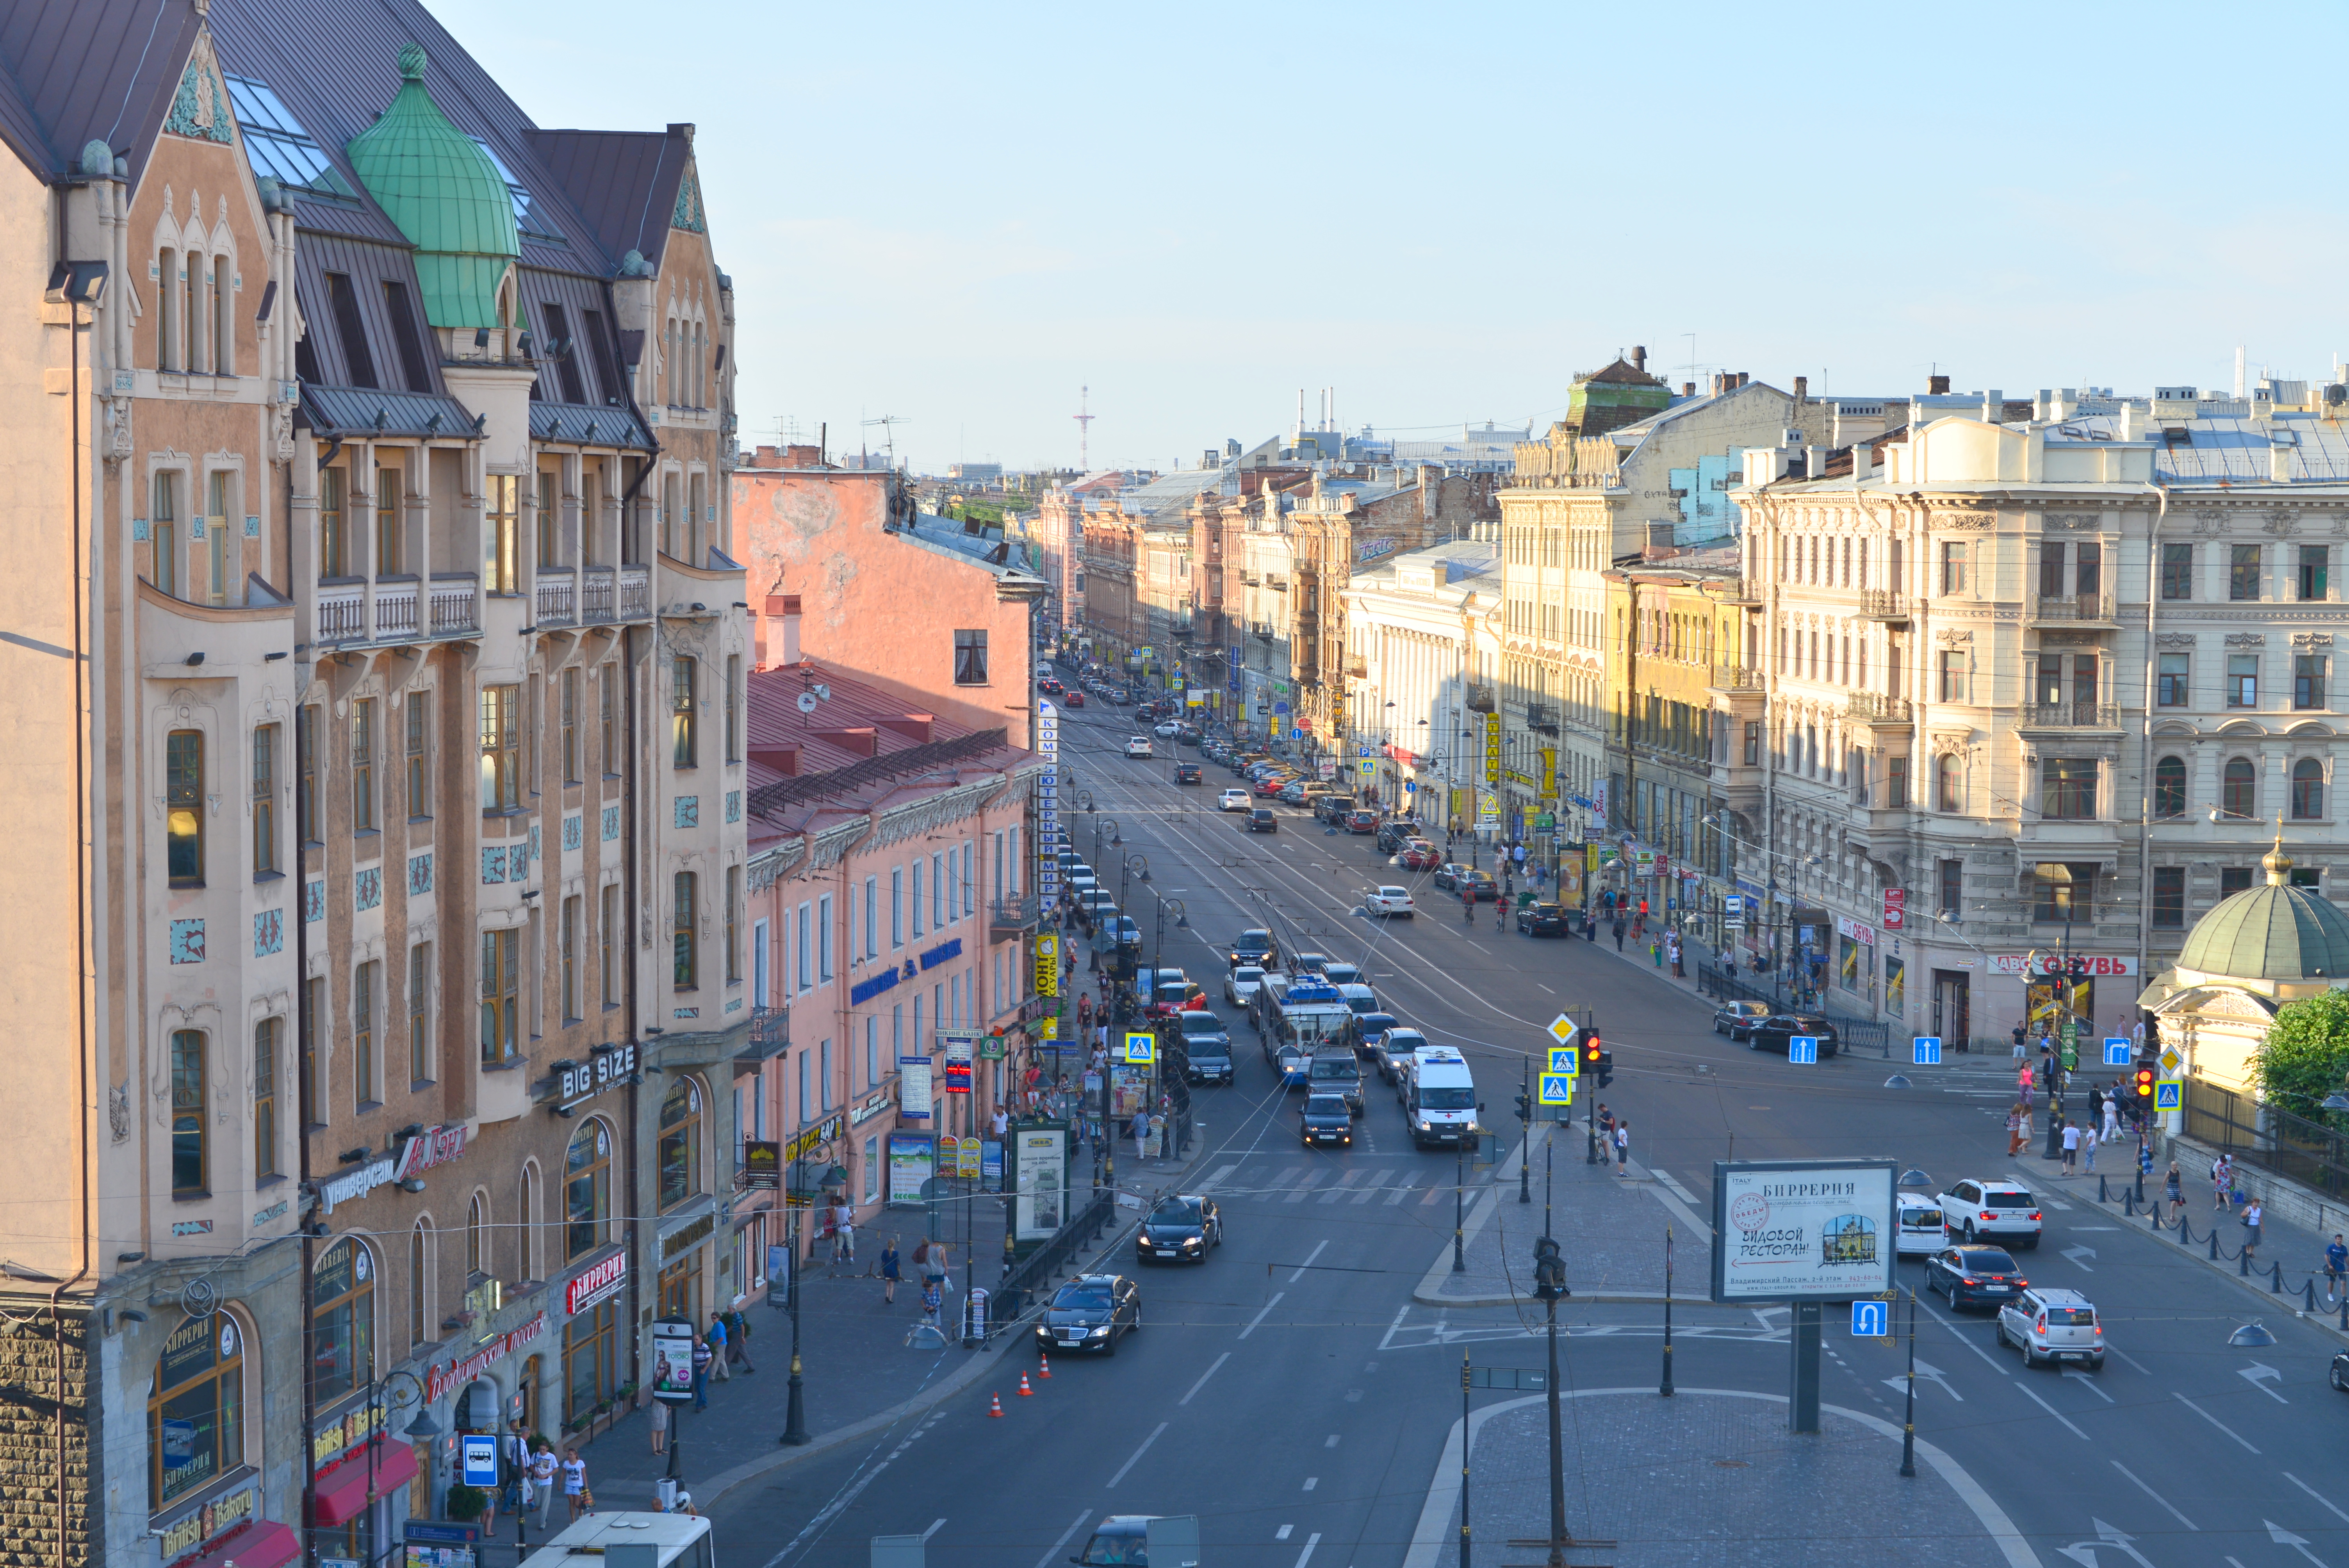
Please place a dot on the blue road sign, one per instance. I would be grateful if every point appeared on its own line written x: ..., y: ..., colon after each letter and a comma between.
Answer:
x: 1871, y: 1319
x: 1802, y: 1050
x: 2117, y: 1052
x: 1556, y: 1089
x: 481, y: 1459
x: 2169, y: 1094
x: 1928, y: 1048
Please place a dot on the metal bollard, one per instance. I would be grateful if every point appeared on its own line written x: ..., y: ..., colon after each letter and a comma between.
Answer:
x: 2276, y: 1286
x: 2128, y: 1205
x: 2311, y: 1307
x: 2242, y: 1259
x: 2102, y: 1196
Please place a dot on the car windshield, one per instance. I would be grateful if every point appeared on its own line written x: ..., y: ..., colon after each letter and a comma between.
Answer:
x: 1175, y: 1211
x: 2071, y: 1317
x: 1197, y: 1023
x: 1248, y: 974
x: 1363, y: 1004
x: 1987, y: 1261
x: 1335, y: 1068
x: 2008, y: 1201
x: 1447, y: 1098
x: 1325, y: 1105
x: 1395, y: 892
x: 1401, y: 1042
x: 1077, y: 1297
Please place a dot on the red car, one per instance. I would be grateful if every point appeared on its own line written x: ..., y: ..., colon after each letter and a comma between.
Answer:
x: 1363, y: 822
x: 1074, y: 699
x: 1419, y: 855
x: 1270, y: 786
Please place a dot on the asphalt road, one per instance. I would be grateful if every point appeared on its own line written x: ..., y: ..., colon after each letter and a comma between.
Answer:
x: 1291, y: 1393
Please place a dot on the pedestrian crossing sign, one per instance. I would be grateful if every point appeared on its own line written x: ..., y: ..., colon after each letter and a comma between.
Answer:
x: 1567, y: 1060
x: 1556, y: 1089
x: 1140, y: 1048
x: 1802, y: 1050
x: 1927, y: 1049
x: 2117, y: 1051
x: 2169, y: 1094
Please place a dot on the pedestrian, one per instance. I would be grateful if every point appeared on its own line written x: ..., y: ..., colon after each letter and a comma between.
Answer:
x: 2014, y: 1130
x: 1140, y: 1131
x: 2173, y: 1187
x: 2018, y: 1042
x: 2071, y: 1142
x: 575, y: 1483
x: 1606, y: 1123
x: 998, y: 1126
x: 737, y: 1339
x: 932, y: 1305
x: 700, y: 1373
x: 714, y: 1338
x: 844, y: 1232
x: 2088, y: 1141
x: 2253, y: 1214
x: 1622, y: 1148
x: 2137, y: 1038
x: 543, y: 1466
x: 889, y: 1274
x: 1729, y: 968
x: 2027, y: 1121
x: 2112, y: 1118
x: 2336, y: 1266
x: 1620, y: 925
x: 2222, y: 1184
x: 1672, y: 951
x: 2027, y: 1089
x: 2095, y: 1105
x: 660, y: 1426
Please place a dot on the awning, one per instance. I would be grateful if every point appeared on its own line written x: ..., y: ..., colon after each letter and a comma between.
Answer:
x: 343, y: 1491
x: 256, y: 1543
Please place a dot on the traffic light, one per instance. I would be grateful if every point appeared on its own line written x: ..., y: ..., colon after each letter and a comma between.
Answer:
x: 1524, y: 1108
x: 2145, y: 1083
x: 1549, y: 1271
x: 1598, y: 1066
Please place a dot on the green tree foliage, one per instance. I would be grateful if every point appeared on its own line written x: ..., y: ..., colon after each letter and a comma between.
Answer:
x: 2306, y: 1054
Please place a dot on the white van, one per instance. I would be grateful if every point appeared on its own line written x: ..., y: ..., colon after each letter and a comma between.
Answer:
x: 1919, y: 1230
x: 1439, y: 1096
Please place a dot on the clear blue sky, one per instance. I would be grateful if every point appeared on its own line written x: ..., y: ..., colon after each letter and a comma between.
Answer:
x: 959, y: 215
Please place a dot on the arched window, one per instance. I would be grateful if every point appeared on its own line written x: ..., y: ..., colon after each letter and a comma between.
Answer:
x: 1947, y: 793
x: 477, y: 1236
x: 2239, y: 788
x: 587, y: 1188
x: 680, y: 1143
x: 342, y: 1321
x: 195, y: 1409
x: 2170, y: 787
x: 2307, y: 789
x: 526, y: 1260
x: 419, y: 1283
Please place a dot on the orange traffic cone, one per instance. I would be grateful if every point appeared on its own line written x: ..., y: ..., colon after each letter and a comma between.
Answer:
x: 1025, y: 1391
x: 1044, y: 1365
x: 995, y: 1406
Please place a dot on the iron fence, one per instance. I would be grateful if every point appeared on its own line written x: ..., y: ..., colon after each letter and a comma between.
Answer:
x: 2309, y: 1152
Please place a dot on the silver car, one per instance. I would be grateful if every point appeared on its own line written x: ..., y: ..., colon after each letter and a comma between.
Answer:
x: 1240, y: 985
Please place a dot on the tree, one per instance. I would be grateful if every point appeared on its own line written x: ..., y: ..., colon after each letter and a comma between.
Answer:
x: 2305, y: 1055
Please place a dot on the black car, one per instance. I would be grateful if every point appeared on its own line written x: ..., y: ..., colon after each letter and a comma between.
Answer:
x: 1397, y: 831
x: 1255, y: 946
x: 1333, y: 806
x: 1457, y: 878
x: 1088, y: 1313
x: 1733, y: 1019
x: 1260, y: 820
x: 1186, y: 773
x: 1542, y: 920
x: 1206, y: 1047
x: 1369, y: 1027
x: 2341, y: 1370
x: 1772, y: 1033
x: 1326, y: 1119
x: 1182, y: 1227
x: 1976, y: 1273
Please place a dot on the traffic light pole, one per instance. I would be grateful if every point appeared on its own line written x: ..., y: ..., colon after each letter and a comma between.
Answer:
x: 1909, y: 1421
x: 1665, y: 1388
x: 1525, y: 1135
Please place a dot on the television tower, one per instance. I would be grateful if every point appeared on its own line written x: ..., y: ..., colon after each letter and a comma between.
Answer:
x: 1084, y: 428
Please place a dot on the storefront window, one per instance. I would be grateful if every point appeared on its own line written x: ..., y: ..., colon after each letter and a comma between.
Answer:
x: 1896, y: 986
x: 587, y: 1188
x: 590, y: 1360
x: 1847, y: 963
x: 680, y: 1143
x: 678, y: 1288
x: 195, y: 1407
x: 342, y: 1312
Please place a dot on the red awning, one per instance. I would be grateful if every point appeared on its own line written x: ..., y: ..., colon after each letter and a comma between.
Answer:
x: 256, y: 1543
x: 343, y: 1491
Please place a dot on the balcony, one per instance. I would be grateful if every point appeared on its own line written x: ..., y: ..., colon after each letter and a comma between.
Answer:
x: 452, y: 610
x: 558, y: 597
x: 1358, y: 669
x: 2071, y: 610
x: 2069, y: 716
x: 1262, y: 629
x: 1877, y: 708
x: 342, y: 613
x: 635, y: 592
x: 770, y: 1036
x: 598, y: 592
x: 1542, y: 716
x: 1887, y: 604
x: 1010, y: 916
x: 1480, y: 698
x: 395, y: 607
x: 1731, y: 678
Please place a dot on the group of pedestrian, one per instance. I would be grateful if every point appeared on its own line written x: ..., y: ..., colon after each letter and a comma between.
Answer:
x: 530, y: 1473
x: 1615, y: 1133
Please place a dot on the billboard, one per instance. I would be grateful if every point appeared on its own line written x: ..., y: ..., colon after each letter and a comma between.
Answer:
x: 1801, y: 1230
x: 1039, y: 1176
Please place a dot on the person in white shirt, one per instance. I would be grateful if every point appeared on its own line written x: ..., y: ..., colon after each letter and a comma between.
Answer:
x: 541, y: 1480
x: 575, y: 1482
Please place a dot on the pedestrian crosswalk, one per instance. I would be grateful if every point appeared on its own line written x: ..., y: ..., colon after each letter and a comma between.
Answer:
x: 1329, y: 1181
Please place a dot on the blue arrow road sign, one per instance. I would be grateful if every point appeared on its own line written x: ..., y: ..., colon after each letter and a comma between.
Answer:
x: 1927, y: 1049
x: 1871, y: 1319
x: 1802, y: 1050
x: 2117, y: 1052
x: 1556, y: 1089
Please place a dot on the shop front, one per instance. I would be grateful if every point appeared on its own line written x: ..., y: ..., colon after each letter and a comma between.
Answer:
x: 592, y: 1335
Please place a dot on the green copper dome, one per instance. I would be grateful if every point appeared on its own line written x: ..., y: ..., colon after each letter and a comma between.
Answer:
x: 446, y: 195
x: 2272, y: 933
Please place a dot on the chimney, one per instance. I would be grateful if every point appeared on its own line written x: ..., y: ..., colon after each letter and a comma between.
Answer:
x: 1719, y: 381
x: 2067, y: 402
x: 1937, y: 386
x: 1639, y: 358
x: 783, y: 612
x: 1740, y: 378
x: 2280, y: 463
x: 1688, y: 388
x: 1863, y: 461
x: 1993, y: 405
x: 783, y: 759
x: 2132, y: 423
x: 1802, y: 388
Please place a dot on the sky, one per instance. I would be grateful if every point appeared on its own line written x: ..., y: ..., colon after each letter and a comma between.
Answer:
x: 957, y: 216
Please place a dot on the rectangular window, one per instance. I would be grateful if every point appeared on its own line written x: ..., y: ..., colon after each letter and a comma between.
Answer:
x: 734, y: 708
x: 608, y: 700
x: 2049, y: 690
x: 896, y: 906
x: 1950, y: 884
x: 500, y: 749
x: 1896, y: 782
x: 803, y: 953
x: 941, y: 895
x: 420, y: 770
x: 163, y: 528
x: 266, y: 1044
x: 871, y: 917
x: 684, y: 968
x: 570, y: 726
x: 190, y: 1167
x: 761, y: 969
x: 334, y: 535
x: 2067, y: 788
x: 501, y: 988
x: 569, y: 958
x: 2084, y: 688
x: 1953, y: 568
x: 2315, y: 562
x: 314, y: 1077
x: 2173, y: 683
x: 2308, y: 680
x: 680, y: 710
x: 807, y: 1099
x: 364, y: 1092
x: 872, y: 1050
x: 2243, y: 680
x: 733, y: 925
x: 2178, y: 571
x: 824, y: 937
x: 915, y: 899
x: 970, y: 883
x: 545, y: 504
x: 500, y: 562
x: 1753, y: 743
x: 350, y: 330
x: 2243, y: 571
x: 388, y: 551
x: 264, y: 801
x: 1953, y: 674
x: 419, y: 1014
x: 2088, y: 578
x: 2069, y: 898
x: 608, y: 942
x: 216, y: 537
x: 2168, y: 898
x: 363, y: 766
x: 184, y: 807
x: 2233, y: 879
x: 2051, y: 569
x: 970, y: 658
x: 823, y: 1075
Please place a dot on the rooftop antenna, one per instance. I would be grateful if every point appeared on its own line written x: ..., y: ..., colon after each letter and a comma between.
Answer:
x: 889, y: 436
x: 1084, y: 416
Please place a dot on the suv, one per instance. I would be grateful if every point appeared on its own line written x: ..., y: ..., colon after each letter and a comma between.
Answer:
x: 1206, y: 1047
x: 1992, y: 1210
x: 1395, y: 831
x: 1253, y: 945
x: 2048, y: 1324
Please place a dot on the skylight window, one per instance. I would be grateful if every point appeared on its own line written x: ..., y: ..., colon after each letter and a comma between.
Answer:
x: 525, y: 208
x: 277, y: 145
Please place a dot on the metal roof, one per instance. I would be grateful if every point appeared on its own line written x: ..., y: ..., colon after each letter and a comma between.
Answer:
x: 624, y: 181
x: 363, y: 411
x: 587, y: 425
x: 76, y: 71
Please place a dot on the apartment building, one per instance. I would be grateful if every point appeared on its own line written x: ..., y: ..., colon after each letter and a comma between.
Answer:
x: 1423, y: 642
x: 2038, y: 691
x: 371, y: 543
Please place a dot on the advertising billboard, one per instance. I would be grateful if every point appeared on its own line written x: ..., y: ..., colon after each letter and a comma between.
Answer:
x: 1039, y: 1175
x: 1801, y: 1230
x: 913, y: 1161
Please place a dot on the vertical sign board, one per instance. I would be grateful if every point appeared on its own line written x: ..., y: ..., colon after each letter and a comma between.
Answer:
x: 1493, y: 750
x: 1048, y: 806
x: 1927, y: 1049
x: 914, y: 1088
x: 913, y: 1160
x: 957, y: 1047
x: 673, y: 1353
x: 1041, y: 1180
x: 478, y: 1459
x: 1048, y: 964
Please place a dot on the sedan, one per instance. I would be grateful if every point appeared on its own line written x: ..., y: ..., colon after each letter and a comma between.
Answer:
x: 1240, y: 985
x: 1269, y: 787
x: 1388, y: 901
x: 1361, y: 821
x: 1232, y: 800
x: 1419, y: 855
x: 1326, y: 1119
x: 1073, y: 698
x: 1138, y: 747
x: 1090, y: 1312
x: 1968, y: 1275
x: 1186, y: 773
x: 1260, y: 820
x: 1182, y: 1227
x: 1733, y: 1019
x: 1457, y: 878
x: 1049, y: 687
x: 1542, y: 920
x: 1773, y: 1031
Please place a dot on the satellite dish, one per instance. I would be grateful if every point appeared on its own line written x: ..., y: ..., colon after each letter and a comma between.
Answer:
x: 807, y: 702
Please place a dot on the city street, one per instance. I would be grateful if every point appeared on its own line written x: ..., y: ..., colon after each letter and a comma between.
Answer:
x: 1301, y: 1391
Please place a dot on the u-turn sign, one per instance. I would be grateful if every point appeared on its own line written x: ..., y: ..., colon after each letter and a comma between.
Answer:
x: 1871, y: 1319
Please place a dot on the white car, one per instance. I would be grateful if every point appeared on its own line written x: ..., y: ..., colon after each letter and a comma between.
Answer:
x: 1917, y: 1230
x: 1138, y: 747
x: 1998, y: 1211
x: 1233, y: 800
x: 1240, y: 985
x: 1388, y: 901
x: 1168, y: 730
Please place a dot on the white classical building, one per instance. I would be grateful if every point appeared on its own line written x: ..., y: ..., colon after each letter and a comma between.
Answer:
x: 1424, y: 642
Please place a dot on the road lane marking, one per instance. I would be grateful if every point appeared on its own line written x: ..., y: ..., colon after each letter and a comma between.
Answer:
x: 1347, y: 1179
x: 2211, y: 1419
x: 1311, y: 1481
x: 2156, y: 1495
x: 2034, y: 1397
x: 1222, y: 1174
x: 936, y: 1525
x: 1333, y: 1441
x: 1136, y: 1460
x: 1432, y: 1194
x: 1260, y: 1316
x: 2306, y: 1487
x: 1400, y: 1193
x: 1308, y: 1260
x: 1202, y: 1383
x: 2089, y: 1383
x: 1282, y: 1533
x: 1988, y: 1359
x: 1307, y: 1555
x: 1371, y: 1189
x: 1053, y: 1555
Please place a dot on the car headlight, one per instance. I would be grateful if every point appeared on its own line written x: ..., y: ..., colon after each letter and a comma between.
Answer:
x: 1190, y: 1240
x: 1097, y: 1332
x: 1143, y: 1238
x: 1425, y: 1125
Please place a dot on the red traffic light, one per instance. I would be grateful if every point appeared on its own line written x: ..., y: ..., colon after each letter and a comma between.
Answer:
x: 2145, y: 1083
x: 1591, y: 1049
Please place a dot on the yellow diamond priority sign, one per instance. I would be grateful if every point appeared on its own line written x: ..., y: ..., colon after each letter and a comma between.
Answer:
x: 1562, y: 1029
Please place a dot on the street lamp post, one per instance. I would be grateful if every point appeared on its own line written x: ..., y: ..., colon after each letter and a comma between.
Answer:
x: 795, y: 1432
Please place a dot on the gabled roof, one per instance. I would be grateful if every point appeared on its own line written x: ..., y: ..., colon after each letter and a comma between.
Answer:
x: 76, y: 71
x: 624, y: 182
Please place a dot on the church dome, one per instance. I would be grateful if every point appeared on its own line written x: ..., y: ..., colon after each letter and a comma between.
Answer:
x: 447, y: 196
x: 2273, y: 932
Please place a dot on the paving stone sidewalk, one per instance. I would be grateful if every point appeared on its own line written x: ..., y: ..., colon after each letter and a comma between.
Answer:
x: 1611, y: 1228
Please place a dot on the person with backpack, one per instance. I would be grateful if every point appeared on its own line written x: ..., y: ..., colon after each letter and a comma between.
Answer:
x: 738, y: 1339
